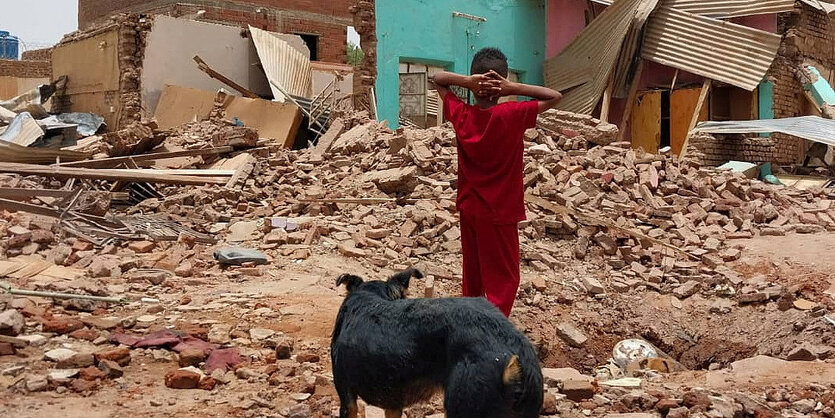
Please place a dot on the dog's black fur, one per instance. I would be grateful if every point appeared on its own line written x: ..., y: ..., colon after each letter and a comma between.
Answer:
x: 393, y: 352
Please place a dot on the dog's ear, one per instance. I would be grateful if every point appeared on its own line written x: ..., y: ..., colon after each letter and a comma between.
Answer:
x: 403, y: 278
x: 350, y: 281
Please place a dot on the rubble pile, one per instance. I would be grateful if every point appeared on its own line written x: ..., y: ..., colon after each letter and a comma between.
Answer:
x: 388, y: 197
x: 603, y: 219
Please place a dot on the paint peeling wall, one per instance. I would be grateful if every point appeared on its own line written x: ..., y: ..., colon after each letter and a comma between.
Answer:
x: 434, y: 36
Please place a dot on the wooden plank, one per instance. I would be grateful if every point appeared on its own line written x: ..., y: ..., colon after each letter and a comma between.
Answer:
x: 682, y: 105
x: 646, y: 122
x: 18, y: 193
x: 116, y: 161
x: 223, y: 79
x: 178, y: 171
x: 104, y: 174
x: 607, y: 100
x: 50, y: 212
x: 696, y: 114
x: 630, y: 101
x: 13, y: 153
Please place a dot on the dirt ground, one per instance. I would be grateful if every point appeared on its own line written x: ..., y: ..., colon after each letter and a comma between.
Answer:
x: 299, y: 299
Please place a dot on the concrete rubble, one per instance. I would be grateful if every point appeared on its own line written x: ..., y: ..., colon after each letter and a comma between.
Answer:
x: 208, y: 283
x: 620, y: 225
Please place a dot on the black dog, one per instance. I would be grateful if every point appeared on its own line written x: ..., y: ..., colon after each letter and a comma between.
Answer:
x: 393, y: 352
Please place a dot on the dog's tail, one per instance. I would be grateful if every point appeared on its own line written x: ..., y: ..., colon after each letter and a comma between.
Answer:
x: 512, y: 379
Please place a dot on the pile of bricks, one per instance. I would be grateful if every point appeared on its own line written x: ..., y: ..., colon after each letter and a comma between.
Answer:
x: 388, y: 198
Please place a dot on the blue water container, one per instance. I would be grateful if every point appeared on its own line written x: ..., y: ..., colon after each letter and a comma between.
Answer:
x: 9, y: 46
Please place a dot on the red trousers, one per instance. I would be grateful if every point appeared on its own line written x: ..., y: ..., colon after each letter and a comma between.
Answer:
x: 491, y: 261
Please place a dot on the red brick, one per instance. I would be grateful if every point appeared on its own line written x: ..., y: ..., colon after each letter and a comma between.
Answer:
x: 182, y: 379
x: 62, y: 325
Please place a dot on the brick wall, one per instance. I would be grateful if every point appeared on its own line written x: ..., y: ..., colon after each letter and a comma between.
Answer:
x: 365, y: 22
x: 26, y: 69
x: 326, y: 19
x: 717, y: 150
x: 809, y: 39
x: 38, y: 55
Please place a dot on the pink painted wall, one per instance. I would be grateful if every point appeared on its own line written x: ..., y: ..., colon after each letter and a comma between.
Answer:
x: 767, y: 22
x: 659, y: 76
x: 566, y: 19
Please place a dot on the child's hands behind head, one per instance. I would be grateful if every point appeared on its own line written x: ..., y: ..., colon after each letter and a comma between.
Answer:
x: 483, y: 85
x: 500, y: 86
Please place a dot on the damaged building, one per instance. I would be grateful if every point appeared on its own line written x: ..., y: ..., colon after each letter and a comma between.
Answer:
x: 322, y: 25
x: 449, y: 34
x: 655, y: 68
x: 136, y: 67
x: 673, y: 63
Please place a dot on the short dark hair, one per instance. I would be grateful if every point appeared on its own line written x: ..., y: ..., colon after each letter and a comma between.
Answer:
x: 489, y: 59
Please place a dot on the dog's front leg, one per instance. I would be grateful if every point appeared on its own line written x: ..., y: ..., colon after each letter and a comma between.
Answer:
x: 391, y: 413
x: 349, y: 410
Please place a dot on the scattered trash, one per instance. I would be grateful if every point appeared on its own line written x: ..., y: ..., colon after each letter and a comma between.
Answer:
x: 628, y: 351
x: 626, y: 382
x: 237, y: 256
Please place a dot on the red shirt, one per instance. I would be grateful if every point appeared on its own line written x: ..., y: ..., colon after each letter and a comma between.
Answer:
x: 490, y: 164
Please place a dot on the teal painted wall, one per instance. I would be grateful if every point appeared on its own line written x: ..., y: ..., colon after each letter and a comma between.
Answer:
x: 766, y: 102
x: 424, y: 31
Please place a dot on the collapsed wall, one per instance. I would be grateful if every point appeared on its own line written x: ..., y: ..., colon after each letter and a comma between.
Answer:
x: 809, y: 40
x: 104, y: 69
x: 365, y: 23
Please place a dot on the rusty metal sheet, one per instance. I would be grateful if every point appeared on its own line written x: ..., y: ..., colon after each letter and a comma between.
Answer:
x: 597, y: 47
x: 724, y: 9
x: 714, y: 49
x: 283, y: 64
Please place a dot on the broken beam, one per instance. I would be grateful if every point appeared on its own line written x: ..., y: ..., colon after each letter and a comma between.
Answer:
x: 50, y: 212
x: 105, y: 174
x: 223, y: 79
x: 359, y: 201
x: 17, y: 193
x: 116, y: 161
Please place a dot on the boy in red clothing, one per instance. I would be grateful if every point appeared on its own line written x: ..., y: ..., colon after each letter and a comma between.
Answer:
x: 490, y: 191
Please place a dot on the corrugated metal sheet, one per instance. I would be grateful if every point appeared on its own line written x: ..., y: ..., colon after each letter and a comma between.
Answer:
x: 23, y: 130
x: 813, y: 128
x: 730, y: 8
x: 715, y: 49
x: 597, y: 48
x: 823, y: 6
x: 283, y: 64
x: 629, y: 57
